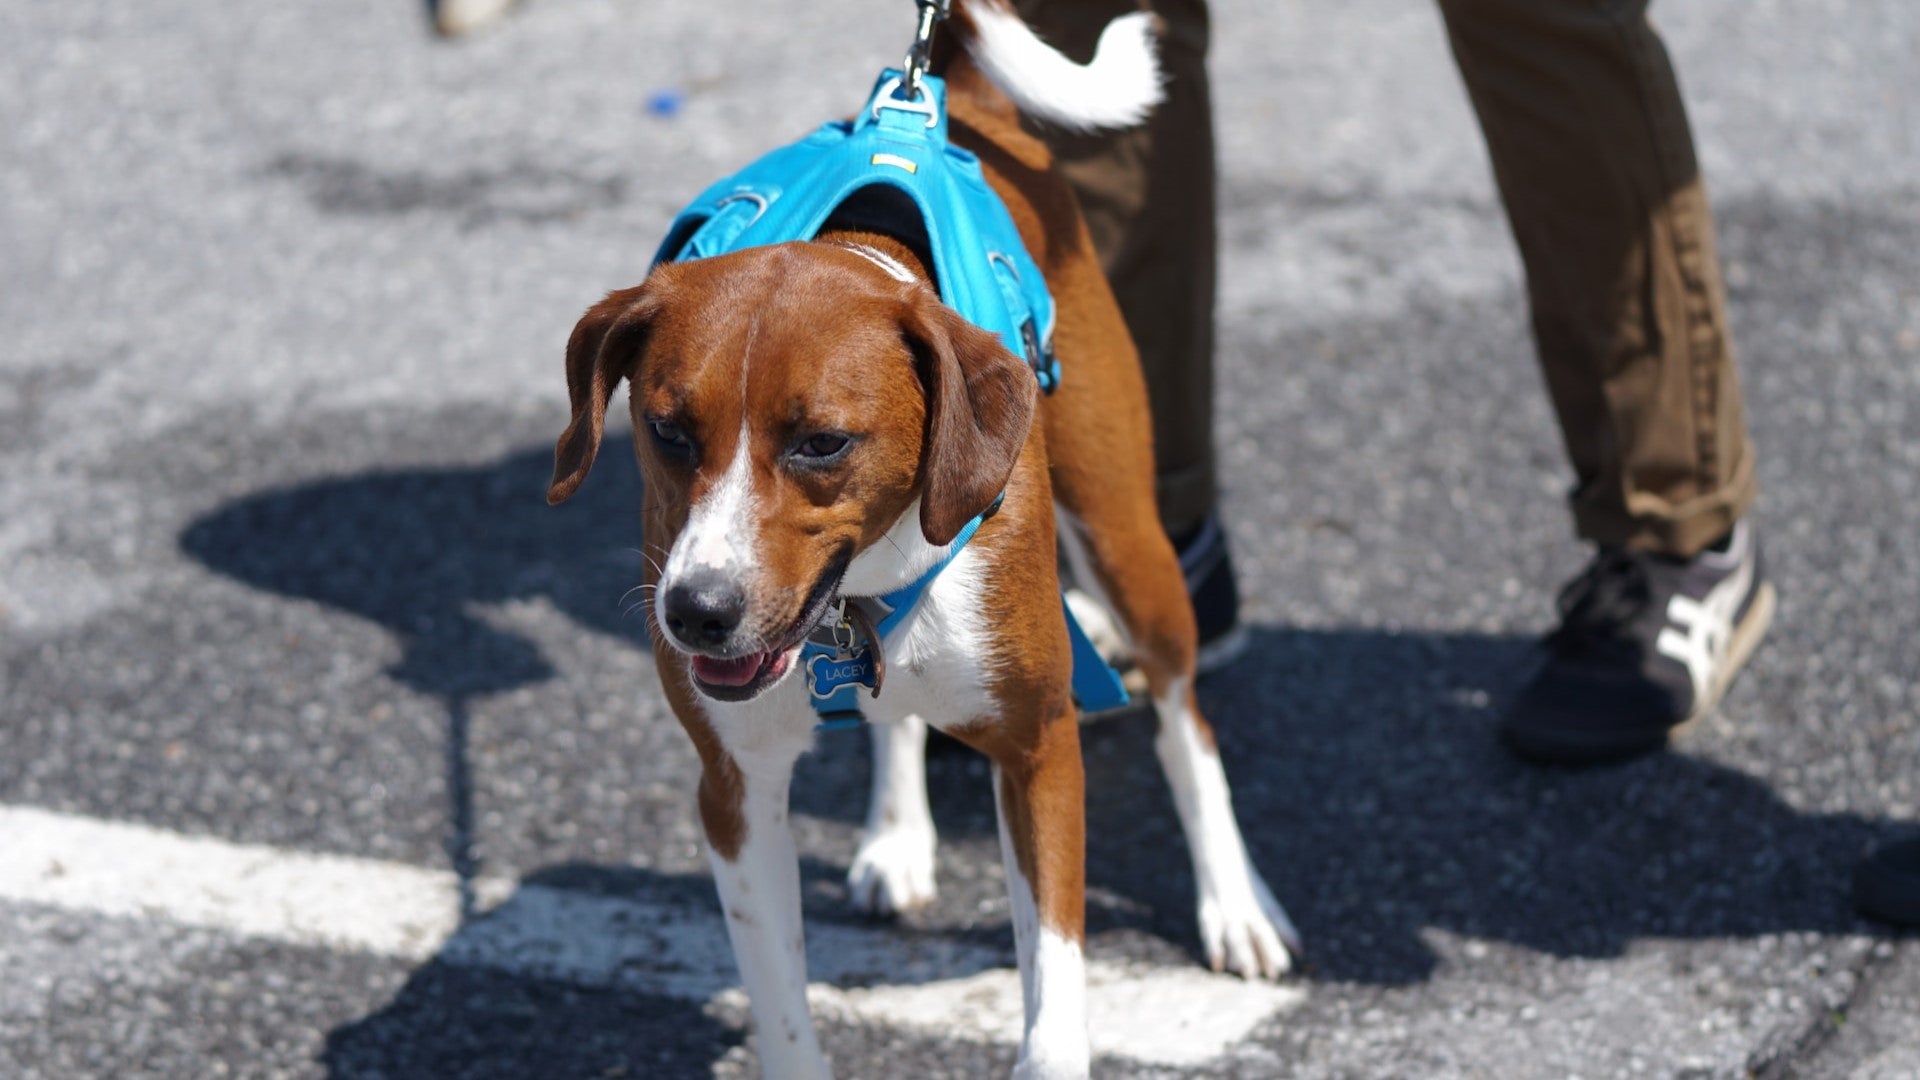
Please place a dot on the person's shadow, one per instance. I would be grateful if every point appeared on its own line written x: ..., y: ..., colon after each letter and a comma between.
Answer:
x: 1365, y: 771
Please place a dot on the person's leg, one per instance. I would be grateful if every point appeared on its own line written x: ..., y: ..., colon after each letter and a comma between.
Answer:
x: 1148, y: 197
x: 1595, y: 162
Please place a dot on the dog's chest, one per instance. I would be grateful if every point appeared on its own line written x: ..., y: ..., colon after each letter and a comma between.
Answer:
x: 938, y: 661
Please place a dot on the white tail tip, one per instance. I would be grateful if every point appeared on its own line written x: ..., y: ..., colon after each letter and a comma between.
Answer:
x: 1117, y: 90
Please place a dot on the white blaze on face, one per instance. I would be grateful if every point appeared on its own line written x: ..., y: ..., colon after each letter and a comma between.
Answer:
x: 719, y: 535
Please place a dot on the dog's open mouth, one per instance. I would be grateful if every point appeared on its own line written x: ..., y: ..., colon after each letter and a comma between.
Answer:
x: 742, y: 678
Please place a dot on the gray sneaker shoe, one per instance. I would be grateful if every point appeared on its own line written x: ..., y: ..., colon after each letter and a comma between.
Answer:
x: 1646, y: 643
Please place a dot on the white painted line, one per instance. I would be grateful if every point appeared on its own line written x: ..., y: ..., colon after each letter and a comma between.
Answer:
x: 112, y: 868
x: 1165, y: 1016
x: 1181, y: 1016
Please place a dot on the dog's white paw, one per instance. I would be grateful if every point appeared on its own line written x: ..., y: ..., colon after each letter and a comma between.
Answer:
x: 893, y: 871
x: 1246, y: 931
x: 1039, y: 1067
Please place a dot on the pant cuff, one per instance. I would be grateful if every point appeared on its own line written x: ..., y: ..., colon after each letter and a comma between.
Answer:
x: 1650, y: 523
x: 1185, y: 496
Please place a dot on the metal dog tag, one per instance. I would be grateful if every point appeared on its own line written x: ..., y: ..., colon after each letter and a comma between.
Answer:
x: 826, y: 674
x: 850, y: 655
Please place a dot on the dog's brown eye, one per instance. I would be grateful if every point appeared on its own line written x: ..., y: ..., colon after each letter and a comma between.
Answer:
x: 670, y: 436
x: 823, y: 445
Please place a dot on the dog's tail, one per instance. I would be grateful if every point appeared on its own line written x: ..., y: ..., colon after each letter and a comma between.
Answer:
x: 1116, y: 90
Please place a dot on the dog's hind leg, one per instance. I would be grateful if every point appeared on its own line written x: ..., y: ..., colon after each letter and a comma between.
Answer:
x: 1242, y: 926
x: 1126, y: 557
x: 893, y: 870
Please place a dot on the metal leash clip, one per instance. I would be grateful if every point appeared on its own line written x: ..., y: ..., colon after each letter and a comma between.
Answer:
x: 932, y: 14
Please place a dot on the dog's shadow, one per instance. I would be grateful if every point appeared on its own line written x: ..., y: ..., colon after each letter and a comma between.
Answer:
x: 459, y: 1020
x: 1366, y: 774
x: 419, y: 550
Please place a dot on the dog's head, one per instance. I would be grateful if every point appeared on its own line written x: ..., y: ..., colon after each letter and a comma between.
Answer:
x: 789, y: 404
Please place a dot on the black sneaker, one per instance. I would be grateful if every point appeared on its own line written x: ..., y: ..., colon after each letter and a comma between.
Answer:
x: 1216, y: 596
x: 1646, y: 643
x: 1886, y: 884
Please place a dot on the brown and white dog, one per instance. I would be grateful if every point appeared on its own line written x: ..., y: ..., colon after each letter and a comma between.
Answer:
x: 811, y: 422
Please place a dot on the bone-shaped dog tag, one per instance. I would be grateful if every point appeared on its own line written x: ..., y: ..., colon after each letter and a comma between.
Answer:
x: 826, y: 674
x: 849, y: 655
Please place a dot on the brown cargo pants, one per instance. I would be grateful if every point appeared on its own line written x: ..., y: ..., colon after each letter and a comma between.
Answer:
x: 1595, y: 163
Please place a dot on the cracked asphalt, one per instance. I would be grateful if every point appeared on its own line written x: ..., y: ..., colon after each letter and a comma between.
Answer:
x: 283, y: 294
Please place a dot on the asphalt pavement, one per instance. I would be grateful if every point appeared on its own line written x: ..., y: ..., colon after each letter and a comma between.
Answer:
x: 326, y: 748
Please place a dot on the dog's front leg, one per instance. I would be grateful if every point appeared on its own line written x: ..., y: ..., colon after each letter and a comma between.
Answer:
x: 743, y: 805
x: 893, y: 870
x: 1040, y: 793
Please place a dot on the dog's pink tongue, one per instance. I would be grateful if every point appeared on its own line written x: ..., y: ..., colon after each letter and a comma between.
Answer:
x: 738, y: 672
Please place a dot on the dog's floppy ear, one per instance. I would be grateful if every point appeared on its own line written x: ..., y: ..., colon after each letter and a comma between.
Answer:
x: 980, y: 401
x: 605, y: 346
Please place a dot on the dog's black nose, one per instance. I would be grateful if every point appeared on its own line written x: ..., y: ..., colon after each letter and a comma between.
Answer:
x: 703, y: 610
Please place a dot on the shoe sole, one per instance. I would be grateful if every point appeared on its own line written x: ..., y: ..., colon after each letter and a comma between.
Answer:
x: 1746, y: 638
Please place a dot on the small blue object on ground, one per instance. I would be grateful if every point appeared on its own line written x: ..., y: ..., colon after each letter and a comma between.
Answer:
x: 665, y: 103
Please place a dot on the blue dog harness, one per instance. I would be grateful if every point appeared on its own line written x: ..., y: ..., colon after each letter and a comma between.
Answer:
x: 892, y: 170
x: 890, y: 166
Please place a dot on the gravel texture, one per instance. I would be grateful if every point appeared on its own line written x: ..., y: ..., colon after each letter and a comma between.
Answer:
x: 283, y: 299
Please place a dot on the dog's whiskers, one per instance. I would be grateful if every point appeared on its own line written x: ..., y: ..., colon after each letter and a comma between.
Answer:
x: 652, y: 563
x: 647, y: 593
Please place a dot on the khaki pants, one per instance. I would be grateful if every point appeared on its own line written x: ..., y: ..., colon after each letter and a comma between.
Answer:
x: 1595, y: 162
